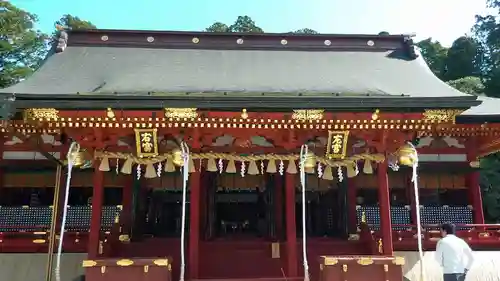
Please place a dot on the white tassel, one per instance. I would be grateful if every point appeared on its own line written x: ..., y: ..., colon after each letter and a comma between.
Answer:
x: 221, y: 166
x: 281, y: 167
x: 262, y: 167
x: 356, y: 168
x: 242, y: 170
x: 139, y: 171
x: 159, y: 169
x: 320, y: 170
x: 117, y: 168
x: 339, y: 173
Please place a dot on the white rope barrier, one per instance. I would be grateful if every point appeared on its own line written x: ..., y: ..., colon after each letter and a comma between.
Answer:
x: 73, y: 149
x: 303, y: 159
x: 185, y: 176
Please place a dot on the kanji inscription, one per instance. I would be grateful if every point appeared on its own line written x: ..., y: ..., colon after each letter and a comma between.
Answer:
x: 337, y: 144
x: 146, y: 142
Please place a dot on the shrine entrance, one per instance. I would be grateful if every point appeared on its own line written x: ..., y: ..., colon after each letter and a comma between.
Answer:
x: 240, y: 207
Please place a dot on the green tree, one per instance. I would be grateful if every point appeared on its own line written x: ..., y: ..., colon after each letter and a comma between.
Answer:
x: 487, y: 33
x: 305, y: 31
x: 490, y: 179
x: 21, y: 46
x: 434, y: 54
x: 463, y: 59
x: 245, y: 24
x: 218, y: 27
x: 469, y: 85
x: 74, y: 23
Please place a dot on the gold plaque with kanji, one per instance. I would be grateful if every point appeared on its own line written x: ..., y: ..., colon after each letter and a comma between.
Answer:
x: 337, y: 144
x: 146, y: 142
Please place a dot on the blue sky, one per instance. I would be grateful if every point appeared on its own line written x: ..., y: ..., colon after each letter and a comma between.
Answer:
x: 443, y: 20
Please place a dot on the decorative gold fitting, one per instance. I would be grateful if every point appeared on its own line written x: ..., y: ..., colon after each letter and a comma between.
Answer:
x: 375, y: 115
x: 365, y: 261
x: 484, y: 235
x: 380, y: 246
x: 344, y: 267
x: 386, y: 268
x: 39, y: 241
x: 398, y: 261
x: 110, y: 113
x: 441, y: 115
x: 125, y: 262
x: 101, y: 247
x: 244, y: 114
x: 363, y: 217
x: 103, y: 269
x: 330, y: 261
x: 146, y: 268
x: 310, y: 160
x: 307, y: 114
x: 161, y: 262
x: 180, y: 113
x: 124, y: 238
x: 41, y: 114
x: 475, y: 164
x: 89, y: 263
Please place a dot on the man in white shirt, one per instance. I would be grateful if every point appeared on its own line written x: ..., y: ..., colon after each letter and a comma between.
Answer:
x: 453, y: 254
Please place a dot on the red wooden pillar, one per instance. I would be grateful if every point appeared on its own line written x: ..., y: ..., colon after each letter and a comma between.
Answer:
x: 95, y: 221
x: 127, y: 194
x: 351, y: 205
x: 291, y: 230
x: 385, y: 211
x: 194, y: 215
x: 473, y: 180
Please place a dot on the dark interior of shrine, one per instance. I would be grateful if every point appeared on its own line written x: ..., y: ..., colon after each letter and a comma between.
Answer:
x: 234, y: 207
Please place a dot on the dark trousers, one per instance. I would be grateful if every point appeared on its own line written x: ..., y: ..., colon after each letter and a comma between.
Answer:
x: 454, y: 277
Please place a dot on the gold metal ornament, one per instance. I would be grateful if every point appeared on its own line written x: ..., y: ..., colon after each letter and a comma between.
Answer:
x: 81, y: 159
x: 110, y: 113
x: 407, y: 155
x: 244, y: 113
x: 309, y: 160
x: 177, y: 157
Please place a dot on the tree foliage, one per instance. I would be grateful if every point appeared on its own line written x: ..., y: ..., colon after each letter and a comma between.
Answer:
x: 434, y: 54
x: 245, y: 24
x: 469, y: 85
x: 74, y: 23
x: 21, y: 46
x: 487, y: 33
x: 463, y: 59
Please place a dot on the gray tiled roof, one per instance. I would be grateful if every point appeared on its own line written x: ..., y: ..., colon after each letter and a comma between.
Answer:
x: 124, y: 70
